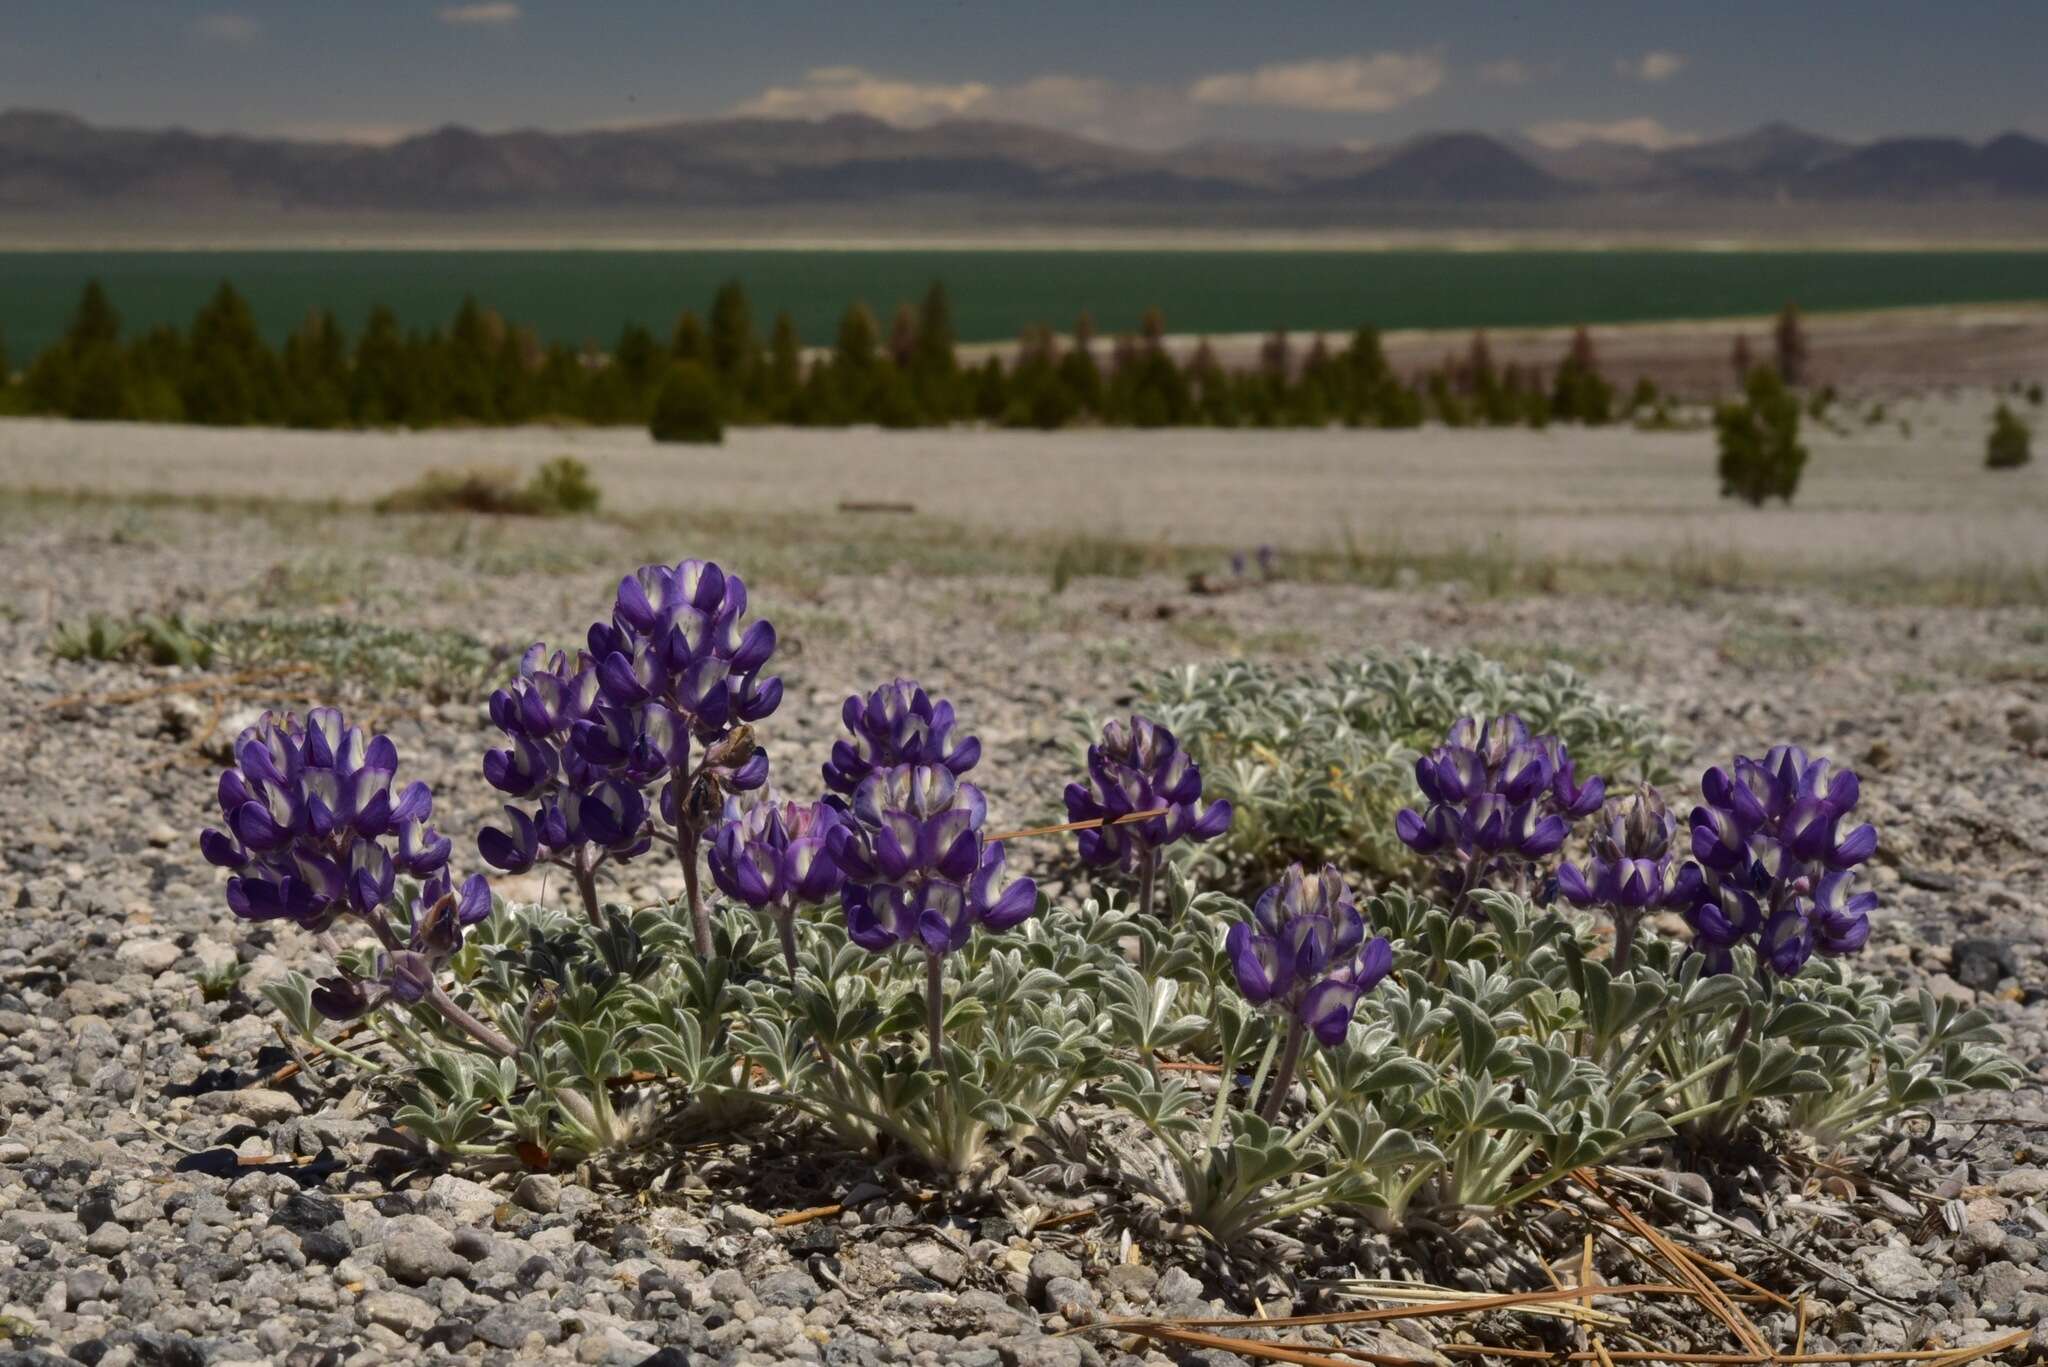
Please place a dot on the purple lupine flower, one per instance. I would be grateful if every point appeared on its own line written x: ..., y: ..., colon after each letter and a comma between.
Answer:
x: 918, y: 870
x: 580, y: 762
x: 1499, y: 799
x: 899, y: 723
x: 306, y: 814
x: 406, y: 972
x: 1775, y: 863
x: 1305, y: 953
x: 1140, y: 767
x: 1632, y: 869
x: 674, y: 664
x: 775, y: 852
x: 309, y: 809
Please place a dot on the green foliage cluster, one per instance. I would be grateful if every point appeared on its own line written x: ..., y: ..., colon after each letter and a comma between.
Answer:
x: 560, y: 487
x: 143, y: 639
x: 1761, y: 455
x: 1317, y: 762
x: 348, y: 657
x: 719, y: 369
x: 1500, y: 1055
x: 2011, y: 443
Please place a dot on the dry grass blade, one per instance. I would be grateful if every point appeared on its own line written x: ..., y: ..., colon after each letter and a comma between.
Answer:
x: 1088, y: 825
x: 1471, y: 1305
x: 1705, y: 1289
x: 1424, y: 1293
x: 264, y: 674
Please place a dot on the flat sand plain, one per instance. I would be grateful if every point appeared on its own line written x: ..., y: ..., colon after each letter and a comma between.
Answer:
x: 1906, y: 495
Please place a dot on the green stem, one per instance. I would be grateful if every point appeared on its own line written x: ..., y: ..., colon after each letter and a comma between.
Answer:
x: 785, y: 929
x: 438, y: 998
x: 1265, y: 1062
x: 1148, y: 875
x: 1297, y: 1035
x: 935, y: 1008
x: 686, y: 850
x: 585, y: 874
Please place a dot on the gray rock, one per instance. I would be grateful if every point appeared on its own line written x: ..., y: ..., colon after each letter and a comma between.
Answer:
x: 398, y: 1312
x: 263, y: 1105
x: 417, y: 1252
x: 1898, y: 1274
x: 539, y: 1192
x: 507, y: 1326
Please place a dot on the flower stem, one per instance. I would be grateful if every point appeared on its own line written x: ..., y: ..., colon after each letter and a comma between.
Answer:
x: 483, y: 1034
x: 785, y: 929
x: 1736, y: 1039
x: 1148, y: 875
x: 935, y: 1008
x: 700, y: 915
x: 1624, y: 939
x: 586, y: 884
x: 1283, y: 1078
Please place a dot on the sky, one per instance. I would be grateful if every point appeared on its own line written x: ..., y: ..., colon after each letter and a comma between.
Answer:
x: 1148, y: 73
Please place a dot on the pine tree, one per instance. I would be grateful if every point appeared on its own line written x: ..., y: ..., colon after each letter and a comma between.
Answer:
x: 902, y: 337
x: 687, y: 408
x: 1152, y: 327
x: 1739, y: 360
x: 1579, y: 393
x: 1761, y: 457
x: 1789, y: 340
x: 733, y: 350
x: 785, y: 370
x: 688, y: 342
x: 315, y: 365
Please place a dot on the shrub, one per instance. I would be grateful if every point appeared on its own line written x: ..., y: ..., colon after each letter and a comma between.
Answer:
x: 563, y: 485
x: 2010, y: 444
x: 1317, y: 763
x: 1761, y: 457
x: 687, y: 409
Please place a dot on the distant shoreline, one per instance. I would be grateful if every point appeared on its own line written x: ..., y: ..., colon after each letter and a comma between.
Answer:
x: 1136, y: 242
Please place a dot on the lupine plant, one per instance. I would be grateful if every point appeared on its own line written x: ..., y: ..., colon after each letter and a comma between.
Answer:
x: 1141, y: 796
x: 1458, y: 1046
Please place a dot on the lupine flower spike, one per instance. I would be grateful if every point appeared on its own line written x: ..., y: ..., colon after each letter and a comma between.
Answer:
x: 773, y: 856
x: 681, y: 686
x: 1776, y: 863
x: 315, y: 829
x: 1138, y: 768
x: 1304, y: 955
x: 919, y: 872
x: 1632, y: 870
x: 1499, y: 801
x: 899, y: 723
x: 582, y: 764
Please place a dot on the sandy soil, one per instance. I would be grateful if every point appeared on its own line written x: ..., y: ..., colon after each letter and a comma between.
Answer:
x: 1907, y: 494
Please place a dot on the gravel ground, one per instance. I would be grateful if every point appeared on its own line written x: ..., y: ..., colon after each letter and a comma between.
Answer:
x: 124, y: 1237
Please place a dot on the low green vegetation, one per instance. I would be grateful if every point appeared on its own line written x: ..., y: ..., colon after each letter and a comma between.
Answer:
x: 1317, y: 761
x: 2011, y: 443
x: 562, y: 486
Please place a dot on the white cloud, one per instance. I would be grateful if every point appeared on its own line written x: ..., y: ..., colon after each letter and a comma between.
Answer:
x: 227, y: 28
x: 1135, y: 115
x: 1655, y: 65
x: 1507, y: 71
x: 1369, y: 84
x: 495, y: 12
x: 851, y: 90
x: 1641, y: 131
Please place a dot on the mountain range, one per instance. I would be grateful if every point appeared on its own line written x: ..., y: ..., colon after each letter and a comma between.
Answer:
x: 56, y: 162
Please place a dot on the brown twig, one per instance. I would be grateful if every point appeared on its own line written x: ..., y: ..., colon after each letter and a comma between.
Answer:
x: 804, y: 1217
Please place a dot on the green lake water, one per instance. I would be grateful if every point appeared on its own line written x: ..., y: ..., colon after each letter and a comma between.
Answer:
x: 585, y: 296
